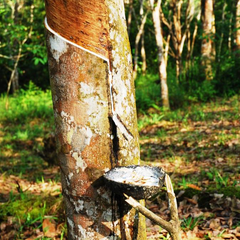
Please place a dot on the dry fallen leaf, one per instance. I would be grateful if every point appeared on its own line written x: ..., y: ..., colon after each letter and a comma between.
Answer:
x: 193, y: 186
x: 192, y: 201
x: 228, y: 236
x: 214, y: 223
x: 49, y: 228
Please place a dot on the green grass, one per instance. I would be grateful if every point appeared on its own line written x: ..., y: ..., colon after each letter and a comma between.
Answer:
x: 147, y: 92
x: 24, y: 124
x: 26, y: 105
x: 29, y: 211
x: 206, y: 134
x: 28, y: 119
x: 190, y: 223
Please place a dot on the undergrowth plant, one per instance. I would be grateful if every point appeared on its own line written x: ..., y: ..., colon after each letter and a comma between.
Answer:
x: 25, y: 123
x: 220, y: 179
x: 147, y: 92
x: 29, y: 211
x: 190, y: 223
x: 26, y: 105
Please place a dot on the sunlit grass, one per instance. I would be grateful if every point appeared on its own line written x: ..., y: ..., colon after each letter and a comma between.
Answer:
x: 190, y: 223
x: 201, y: 138
x: 24, y: 124
x: 26, y: 105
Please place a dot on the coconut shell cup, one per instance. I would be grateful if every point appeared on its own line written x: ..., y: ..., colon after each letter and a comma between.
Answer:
x: 139, y: 182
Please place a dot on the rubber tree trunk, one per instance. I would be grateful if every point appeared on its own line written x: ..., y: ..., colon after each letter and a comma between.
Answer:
x: 94, y: 106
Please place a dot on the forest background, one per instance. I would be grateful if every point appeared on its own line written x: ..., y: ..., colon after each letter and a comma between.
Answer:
x: 198, y: 41
x: 187, y: 78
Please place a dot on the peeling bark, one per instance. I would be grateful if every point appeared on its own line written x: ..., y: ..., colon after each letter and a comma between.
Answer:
x: 95, y: 114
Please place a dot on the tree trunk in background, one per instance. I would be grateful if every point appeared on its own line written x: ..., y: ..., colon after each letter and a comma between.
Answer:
x: 138, y: 37
x: 238, y: 25
x: 219, y: 52
x: 193, y: 9
x: 129, y: 18
x: 143, y: 52
x: 94, y: 107
x: 162, y: 68
x: 143, y: 55
x: 207, y: 49
x: 230, y: 31
x: 177, y: 29
x: 178, y: 40
x: 16, y: 45
x: 15, y: 81
x: 15, y: 15
x: 15, y: 48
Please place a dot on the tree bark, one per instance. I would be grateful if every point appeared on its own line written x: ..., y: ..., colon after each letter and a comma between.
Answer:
x: 162, y: 68
x: 207, y: 50
x: 95, y: 115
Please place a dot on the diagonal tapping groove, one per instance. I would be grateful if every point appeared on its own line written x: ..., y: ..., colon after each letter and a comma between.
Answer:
x: 115, y: 117
x: 121, y: 126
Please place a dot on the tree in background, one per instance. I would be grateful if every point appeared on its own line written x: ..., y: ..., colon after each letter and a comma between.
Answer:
x: 129, y: 4
x: 238, y: 24
x: 184, y: 57
x: 15, y: 40
x: 143, y: 55
x: 94, y: 107
x: 162, y: 58
x: 178, y: 25
x: 207, y: 47
x: 20, y: 28
x: 194, y: 14
x: 140, y: 36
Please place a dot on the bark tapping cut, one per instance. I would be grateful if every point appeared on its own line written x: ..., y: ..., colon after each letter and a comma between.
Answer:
x: 91, y: 81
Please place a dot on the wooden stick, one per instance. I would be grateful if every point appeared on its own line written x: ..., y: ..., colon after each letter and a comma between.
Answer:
x: 149, y: 214
x: 173, y: 226
x: 173, y: 208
